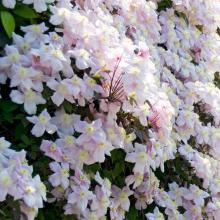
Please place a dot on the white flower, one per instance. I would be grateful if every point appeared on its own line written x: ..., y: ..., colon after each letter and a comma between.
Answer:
x: 42, y: 124
x: 5, y: 183
x: 39, y: 5
x: 157, y: 215
x: 29, y: 98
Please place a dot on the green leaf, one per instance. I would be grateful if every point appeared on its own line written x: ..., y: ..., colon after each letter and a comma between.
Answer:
x: 69, y: 217
x: 132, y: 214
x: 3, y: 39
x: 25, y: 139
x: 118, y: 169
x: 117, y: 155
x: 8, y: 22
x: 25, y: 12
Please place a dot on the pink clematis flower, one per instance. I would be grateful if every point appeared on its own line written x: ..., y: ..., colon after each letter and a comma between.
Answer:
x: 80, y: 196
x: 61, y: 92
x: 29, y: 98
x: 61, y: 174
x: 36, y: 32
x: 90, y: 131
x: 140, y: 157
x: 12, y: 57
x: 51, y: 150
x: 6, y: 183
x: 39, y: 5
x: 120, y: 197
x: 42, y: 124
x: 157, y: 215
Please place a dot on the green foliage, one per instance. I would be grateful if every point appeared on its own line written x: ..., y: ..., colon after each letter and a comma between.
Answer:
x: 164, y: 4
x: 25, y: 12
x: 13, y: 19
x: 8, y: 22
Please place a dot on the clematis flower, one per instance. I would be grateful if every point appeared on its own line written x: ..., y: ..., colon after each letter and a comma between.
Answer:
x: 23, y: 76
x: 6, y: 183
x: 176, y: 193
x: 32, y: 196
x: 12, y: 57
x: 35, y: 32
x: 101, y: 202
x: 196, y: 194
x: 65, y: 122
x: 29, y: 98
x: 75, y: 85
x: 135, y: 179
x: 51, y: 150
x: 39, y: 5
x: 140, y: 157
x: 80, y: 196
x: 61, y: 174
x: 157, y: 215
x: 80, y: 178
x: 61, y: 92
x: 4, y: 144
x: 120, y: 197
x: 90, y: 131
x: 42, y: 124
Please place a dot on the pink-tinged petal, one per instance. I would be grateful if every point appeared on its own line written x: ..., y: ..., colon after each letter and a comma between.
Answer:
x: 56, y: 20
x: 55, y: 179
x: 38, y: 130
x: 38, y: 86
x: 138, y: 168
x: 30, y: 200
x: 80, y: 126
x: 27, y: 84
x: 33, y: 119
x: 51, y: 128
x: 83, y: 204
x: 99, y: 136
x: 131, y: 157
x: 40, y: 99
x: 65, y: 183
x: 45, y: 113
x: 30, y: 107
x: 72, y: 198
x: 17, y: 97
x: 30, y: 36
x: 115, y: 191
x: 82, y: 139
x: 70, y: 99
x: 14, y: 81
x: 4, y: 62
x: 54, y: 166
x: 57, y: 99
x: 40, y: 6
x: 125, y: 205
x: 53, y: 84
x: 81, y: 64
x: 3, y: 193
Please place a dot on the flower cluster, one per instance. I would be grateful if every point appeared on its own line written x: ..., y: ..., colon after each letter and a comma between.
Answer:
x: 39, y: 5
x: 16, y: 180
x: 139, y: 80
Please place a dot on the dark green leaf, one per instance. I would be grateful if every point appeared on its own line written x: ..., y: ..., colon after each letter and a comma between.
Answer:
x: 25, y: 12
x: 132, y: 214
x: 118, y: 169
